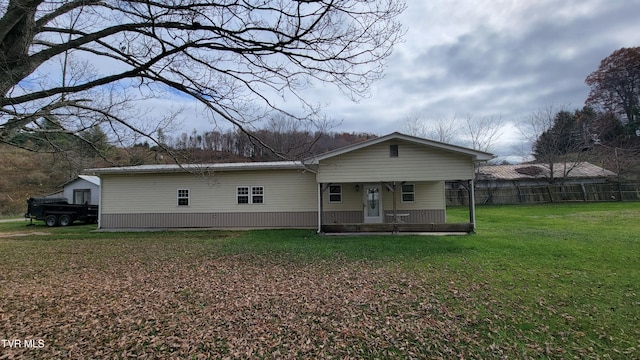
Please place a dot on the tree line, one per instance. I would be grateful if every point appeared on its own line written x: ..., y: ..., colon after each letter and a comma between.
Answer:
x: 274, y: 145
x: 606, y: 130
x: 567, y: 137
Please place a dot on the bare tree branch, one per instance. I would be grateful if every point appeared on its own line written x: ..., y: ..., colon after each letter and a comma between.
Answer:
x: 235, y: 58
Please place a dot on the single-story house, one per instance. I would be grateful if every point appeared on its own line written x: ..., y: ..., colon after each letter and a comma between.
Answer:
x: 84, y: 189
x: 390, y: 183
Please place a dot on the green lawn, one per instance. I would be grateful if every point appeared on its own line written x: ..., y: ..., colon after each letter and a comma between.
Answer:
x: 543, y: 281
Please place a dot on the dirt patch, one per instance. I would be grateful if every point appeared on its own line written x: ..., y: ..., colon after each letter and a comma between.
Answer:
x: 6, y: 235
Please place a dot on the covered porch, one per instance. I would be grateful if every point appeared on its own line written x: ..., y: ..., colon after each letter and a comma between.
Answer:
x: 395, y: 184
x: 388, y: 207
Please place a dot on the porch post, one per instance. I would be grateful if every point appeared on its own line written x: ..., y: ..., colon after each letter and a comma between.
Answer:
x: 319, y: 208
x: 395, y: 208
x: 472, y: 204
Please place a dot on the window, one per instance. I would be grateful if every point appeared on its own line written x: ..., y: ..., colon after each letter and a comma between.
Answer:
x: 243, y: 195
x: 408, y: 193
x: 250, y: 194
x: 335, y: 193
x: 81, y: 196
x: 183, y: 197
x: 393, y: 150
x: 257, y: 195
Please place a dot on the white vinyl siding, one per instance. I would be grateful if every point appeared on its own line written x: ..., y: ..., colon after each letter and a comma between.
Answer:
x: 429, y: 195
x: 351, y: 200
x: 414, y: 163
x: 84, y: 185
x: 284, y: 190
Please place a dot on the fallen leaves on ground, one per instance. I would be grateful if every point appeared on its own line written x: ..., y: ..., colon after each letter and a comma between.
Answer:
x: 228, y: 307
x: 183, y: 304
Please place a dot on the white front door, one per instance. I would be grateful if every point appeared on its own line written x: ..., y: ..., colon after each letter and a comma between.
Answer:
x: 373, y: 204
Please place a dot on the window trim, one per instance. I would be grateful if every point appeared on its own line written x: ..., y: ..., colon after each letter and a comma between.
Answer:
x: 243, y: 195
x: 86, y: 196
x: 339, y: 194
x: 251, y: 194
x: 413, y: 193
x: 260, y: 194
x: 183, y: 197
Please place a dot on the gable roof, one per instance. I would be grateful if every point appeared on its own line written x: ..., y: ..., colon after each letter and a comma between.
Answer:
x: 90, y: 178
x: 95, y: 180
x: 281, y: 165
x: 475, y: 154
x: 582, y: 170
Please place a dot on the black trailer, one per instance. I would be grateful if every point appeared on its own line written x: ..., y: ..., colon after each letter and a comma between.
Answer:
x: 58, y: 211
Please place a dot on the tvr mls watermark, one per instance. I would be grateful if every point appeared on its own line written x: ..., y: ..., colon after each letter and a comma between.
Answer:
x: 22, y: 343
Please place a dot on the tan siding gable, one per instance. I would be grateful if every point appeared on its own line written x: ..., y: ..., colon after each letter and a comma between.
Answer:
x: 414, y: 163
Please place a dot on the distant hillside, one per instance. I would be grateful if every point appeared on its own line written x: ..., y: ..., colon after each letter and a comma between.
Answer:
x: 25, y: 174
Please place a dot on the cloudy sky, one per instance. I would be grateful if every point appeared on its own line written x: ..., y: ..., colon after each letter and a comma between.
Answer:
x: 489, y: 58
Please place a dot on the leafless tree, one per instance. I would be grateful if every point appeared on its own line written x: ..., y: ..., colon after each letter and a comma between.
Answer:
x: 554, y: 141
x: 237, y: 58
x: 290, y: 138
x: 440, y: 129
x: 414, y: 124
x: 483, y: 132
x: 535, y: 124
x: 479, y: 133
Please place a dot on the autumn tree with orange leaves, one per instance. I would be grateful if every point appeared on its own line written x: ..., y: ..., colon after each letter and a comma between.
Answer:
x: 615, y: 86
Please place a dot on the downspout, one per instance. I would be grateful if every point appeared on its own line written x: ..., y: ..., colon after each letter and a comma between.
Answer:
x: 100, y: 202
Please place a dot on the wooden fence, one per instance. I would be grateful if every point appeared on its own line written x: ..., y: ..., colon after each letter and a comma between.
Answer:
x: 552, y: 193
